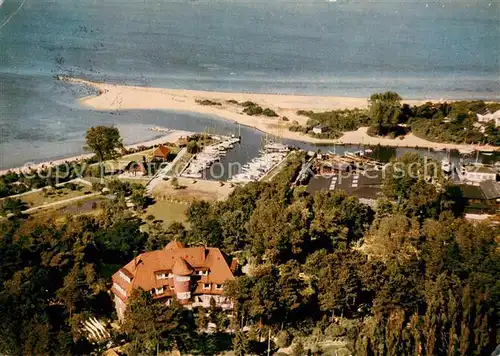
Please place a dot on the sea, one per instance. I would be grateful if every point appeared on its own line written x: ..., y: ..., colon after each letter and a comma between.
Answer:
x: 420, y: 49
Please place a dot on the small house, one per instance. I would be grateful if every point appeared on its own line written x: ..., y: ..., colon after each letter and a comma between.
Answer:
x: 319, y: 129
x: 136, y: 168
x: 488, y: 116
x: 482, y: 198
x: 182, y: 142
x: 160, y: 153
x: 478, y: 173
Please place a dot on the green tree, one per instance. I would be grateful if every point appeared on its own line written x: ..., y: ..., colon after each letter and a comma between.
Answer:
x: 204, y: 222
x: 193, y: 147
x: 103, y: 141
x: 155, y: 327
x: 385, y: 109
x: 241, y: 346
x: 12, y: 206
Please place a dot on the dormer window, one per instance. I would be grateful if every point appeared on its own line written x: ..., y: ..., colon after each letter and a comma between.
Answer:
x: 159, y: 291
x: 172, y: 287
x: 219, y: 287
x: 203, y: 273
x: 164, y: 275
x: 206, y: 285
x: 124, y: 276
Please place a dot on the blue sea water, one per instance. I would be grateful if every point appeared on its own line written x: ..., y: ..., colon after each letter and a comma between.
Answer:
x: 446, y: 49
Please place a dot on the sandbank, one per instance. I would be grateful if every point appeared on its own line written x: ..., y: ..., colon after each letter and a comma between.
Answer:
x: 124, y: 97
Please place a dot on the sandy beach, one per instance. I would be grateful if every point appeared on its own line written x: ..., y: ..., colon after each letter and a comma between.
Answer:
x: 169, y: 137
x: 121, y: 97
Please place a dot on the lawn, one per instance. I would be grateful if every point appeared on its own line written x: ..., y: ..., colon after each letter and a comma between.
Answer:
x: 192, y: 189
x: 121, y: 162
x: 51, y: 195
x: 167, y: 211
x: 138, y: 180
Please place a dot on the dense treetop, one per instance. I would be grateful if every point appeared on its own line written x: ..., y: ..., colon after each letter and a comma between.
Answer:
x: 410, y: 277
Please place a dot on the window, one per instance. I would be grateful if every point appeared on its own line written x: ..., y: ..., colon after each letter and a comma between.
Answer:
x: 164, y: 275
x: 219, y: 286
x: 172, y: 287
x: 120, y: 289
x: 206, y: 285
x: 159, y: 290
x: 185, y: 295
x: 124, y: 276
x: 203, y: 273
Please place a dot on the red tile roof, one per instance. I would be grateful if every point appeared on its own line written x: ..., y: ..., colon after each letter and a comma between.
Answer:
x: 161, y: 151
x: 176, y: 259
x: 181, y: 267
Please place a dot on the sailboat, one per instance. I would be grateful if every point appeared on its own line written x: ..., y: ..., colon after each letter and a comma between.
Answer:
x: 446, y: 164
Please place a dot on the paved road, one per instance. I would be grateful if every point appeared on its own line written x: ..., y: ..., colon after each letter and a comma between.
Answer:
x: 75, y: 181
x: 164, y: 172
x: 61, y: 202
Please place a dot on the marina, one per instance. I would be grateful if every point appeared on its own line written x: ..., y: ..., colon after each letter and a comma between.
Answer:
x: 208, y: 156
x: 272, y: 154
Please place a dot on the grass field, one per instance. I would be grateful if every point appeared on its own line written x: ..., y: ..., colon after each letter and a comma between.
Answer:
x: 85, y: 206
x: 192, y: 189
x: 121, y: 162
x: 167, y: 211
x: 52, y: 195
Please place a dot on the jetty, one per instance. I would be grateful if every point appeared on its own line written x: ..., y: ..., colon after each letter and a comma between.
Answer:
x: 208, y: 156
x: 270, y: 156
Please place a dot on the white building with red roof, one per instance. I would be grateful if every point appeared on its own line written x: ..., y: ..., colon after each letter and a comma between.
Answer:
x: 192, y: 275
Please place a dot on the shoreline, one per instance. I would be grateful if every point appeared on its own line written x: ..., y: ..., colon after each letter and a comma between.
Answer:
x: 169, y: 137
x: 124, y: 97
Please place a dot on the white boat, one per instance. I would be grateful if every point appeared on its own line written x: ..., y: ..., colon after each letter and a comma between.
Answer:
x: 446, y: 165
x: 487, y: 153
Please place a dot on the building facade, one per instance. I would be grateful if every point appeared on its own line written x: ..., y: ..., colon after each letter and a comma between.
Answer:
x: 477, y: 173
x: 192, y: 275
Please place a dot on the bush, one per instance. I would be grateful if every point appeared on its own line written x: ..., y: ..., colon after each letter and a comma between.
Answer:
x: 253, y: 110
x: 150, y: 217
x: 248, y: 104
x: 284, y: 118
x: 70, y: 186
x: 193, y: 147
x: 207, y: 102
x: 232, y: 101
x: 269, y: 112
x: 284, y: 339
x: 97, y: 187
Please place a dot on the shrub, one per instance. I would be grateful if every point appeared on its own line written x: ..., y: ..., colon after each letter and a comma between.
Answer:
x: 207, y: 102
x: 269, y: 112
x: 70, y: 186
x: 248, y: 104
x: 284, y: 118
x: 193, y: 147
x: 253, y: 110
x: 284, y: 339
x: 232, y: 101
x: 97, y: 187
